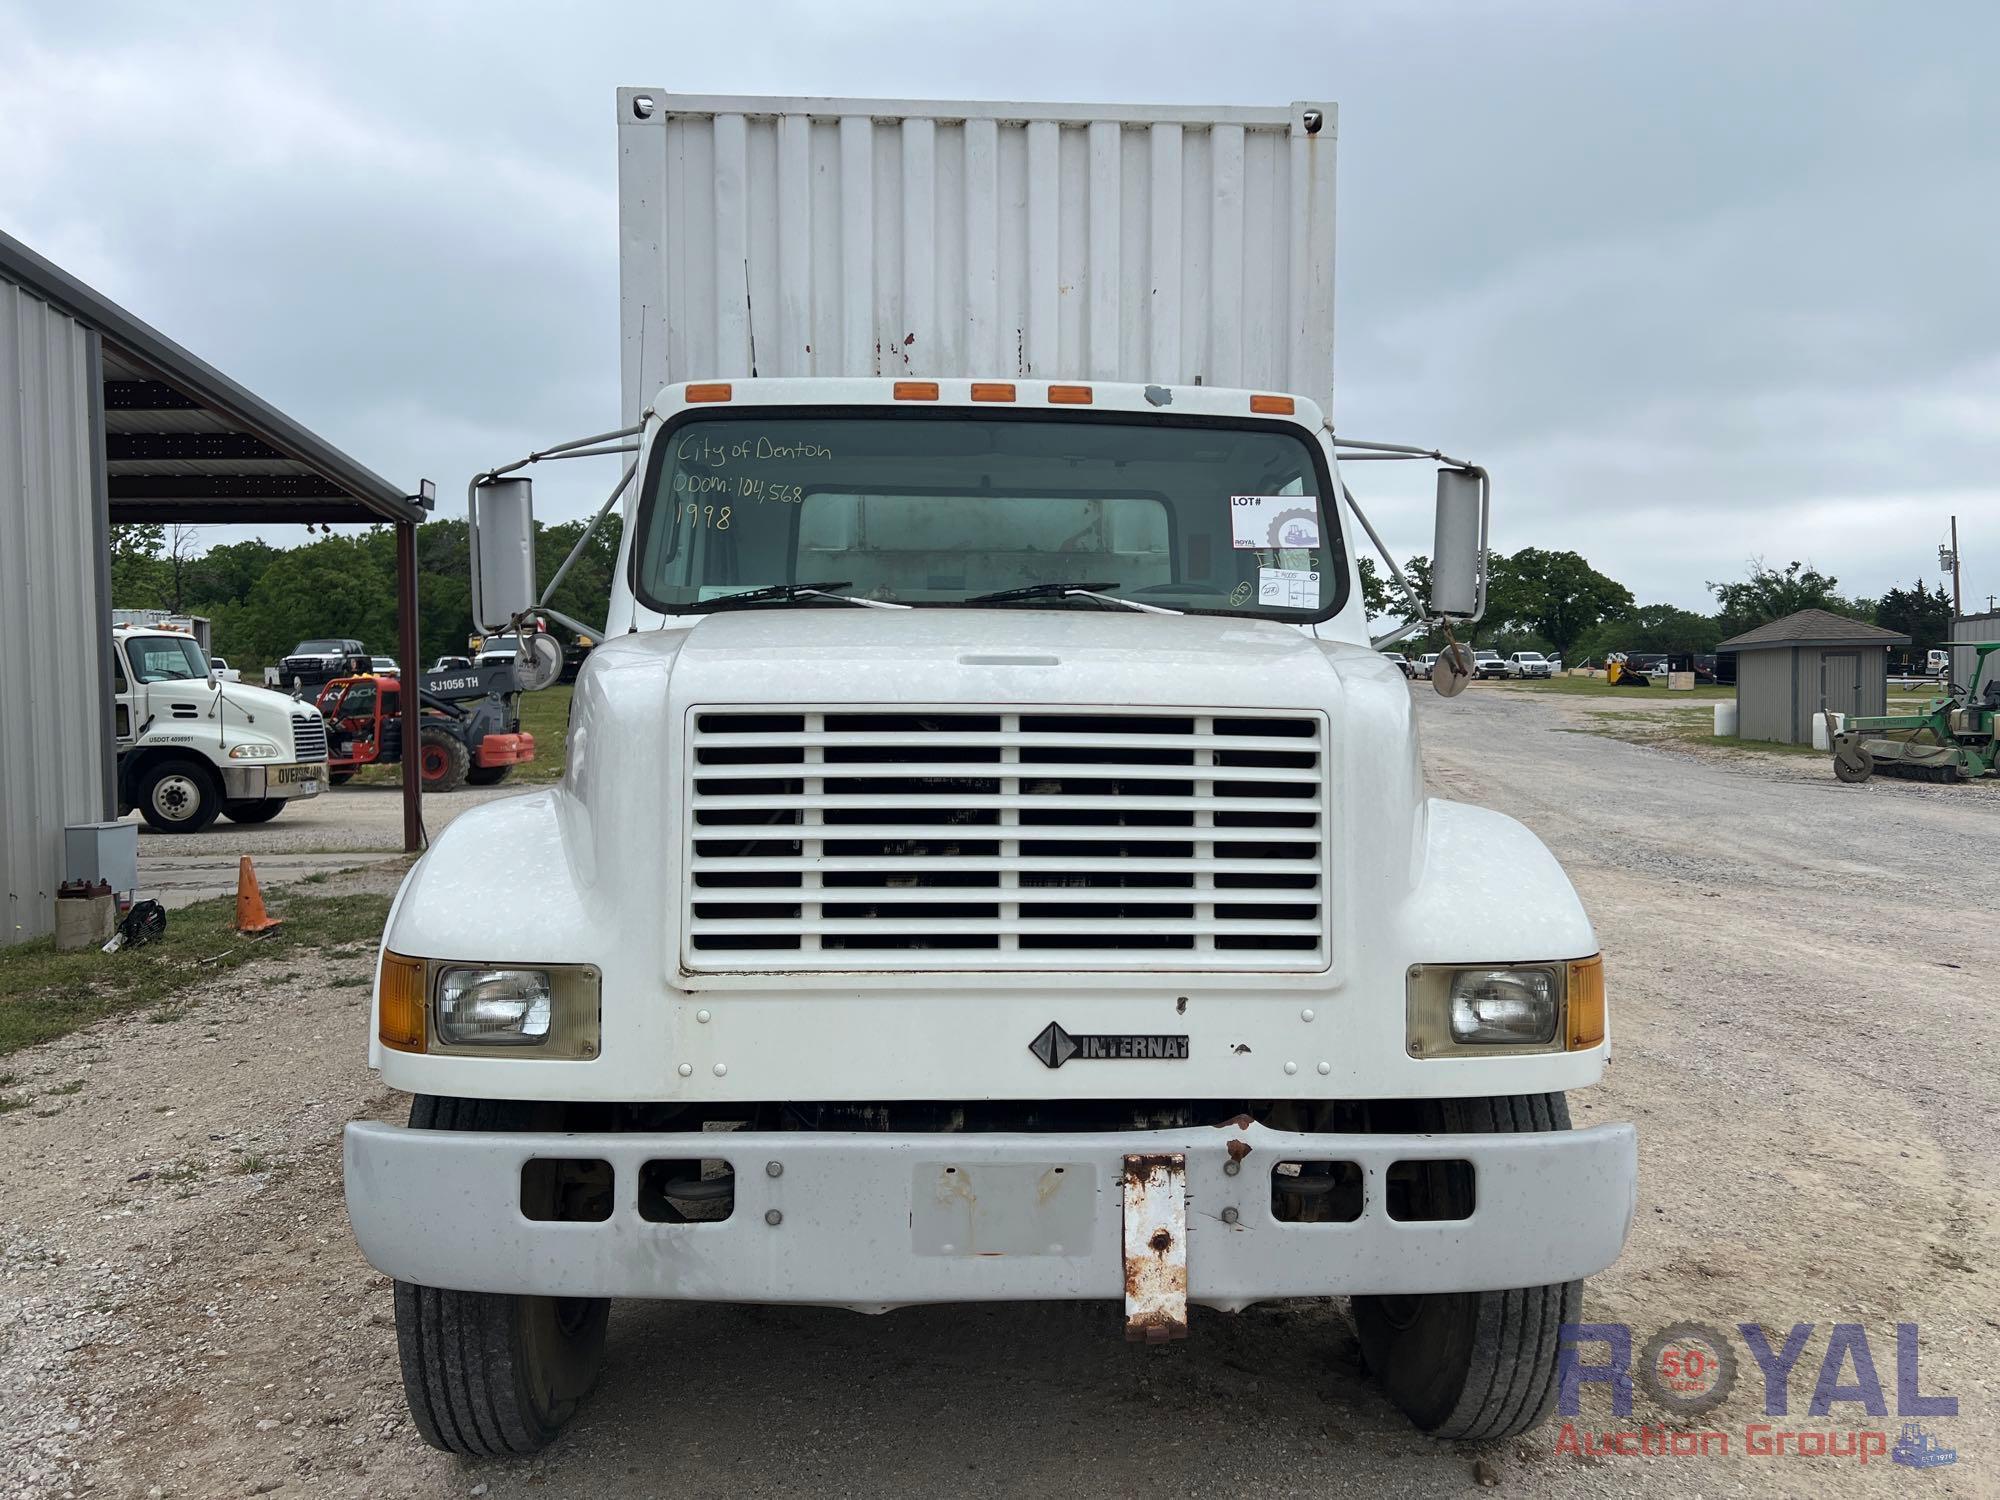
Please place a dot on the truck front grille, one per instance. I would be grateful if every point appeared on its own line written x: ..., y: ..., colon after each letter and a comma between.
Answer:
x: 860, y: 839
x: 308, y: 737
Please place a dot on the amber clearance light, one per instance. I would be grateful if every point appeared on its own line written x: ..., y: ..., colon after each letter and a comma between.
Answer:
x: 1586, y: 1002
x: 400, y: 1015
x: 1069, y: 395
x: 717, y: 391
x: 1274, y: 406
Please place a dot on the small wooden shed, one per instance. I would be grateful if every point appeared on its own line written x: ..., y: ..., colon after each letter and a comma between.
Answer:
x: 1791, y: 669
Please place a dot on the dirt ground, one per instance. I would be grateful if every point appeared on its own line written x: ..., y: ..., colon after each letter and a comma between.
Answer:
x: 1801, y: 977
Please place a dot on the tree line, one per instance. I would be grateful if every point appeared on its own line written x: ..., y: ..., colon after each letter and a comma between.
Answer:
x: 263, y: 600
x: 1556, y: 602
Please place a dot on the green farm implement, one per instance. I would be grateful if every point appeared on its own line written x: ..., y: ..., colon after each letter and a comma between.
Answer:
x: 1955, y: 738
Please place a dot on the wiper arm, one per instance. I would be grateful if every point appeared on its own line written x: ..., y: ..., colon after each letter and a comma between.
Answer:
x: 787, y: 592
x: 1068, y: 591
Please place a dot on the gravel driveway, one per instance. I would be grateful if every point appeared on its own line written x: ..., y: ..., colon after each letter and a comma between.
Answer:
x: 1802, y: 981
x: 342, y: 817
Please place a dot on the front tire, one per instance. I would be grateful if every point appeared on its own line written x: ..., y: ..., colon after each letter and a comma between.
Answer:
x: 260, y: 811
x: 442, y: 761
x: 488, y: 775
x: 179, y: 796
x: 1472, y: 1366
x: 489, y: 1374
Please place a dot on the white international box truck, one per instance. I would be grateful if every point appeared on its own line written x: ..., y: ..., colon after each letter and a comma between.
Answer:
x: 993, y: 860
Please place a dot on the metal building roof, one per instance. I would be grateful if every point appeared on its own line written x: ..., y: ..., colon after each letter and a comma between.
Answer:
x: 1813, y: 627
x: 184, y: 442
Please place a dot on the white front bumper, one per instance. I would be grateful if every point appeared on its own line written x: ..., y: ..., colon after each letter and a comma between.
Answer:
x: 880, y: 1220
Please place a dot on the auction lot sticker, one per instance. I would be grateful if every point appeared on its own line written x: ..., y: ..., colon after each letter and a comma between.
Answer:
x: 1260, y: 523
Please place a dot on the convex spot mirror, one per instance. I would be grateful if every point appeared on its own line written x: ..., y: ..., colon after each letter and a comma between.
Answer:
x: 1458, y: 554
x: 538, y: 662
x: 1452, y: 670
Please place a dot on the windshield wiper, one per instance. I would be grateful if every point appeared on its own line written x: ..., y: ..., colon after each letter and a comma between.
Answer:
x: 1067, y: 591
x: 786, y: 593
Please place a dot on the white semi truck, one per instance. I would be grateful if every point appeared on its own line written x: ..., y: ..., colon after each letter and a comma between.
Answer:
x: 993, y: 860
x: 192, y: 746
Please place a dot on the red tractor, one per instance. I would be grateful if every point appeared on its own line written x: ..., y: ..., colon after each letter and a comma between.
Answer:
x: 471, y: 726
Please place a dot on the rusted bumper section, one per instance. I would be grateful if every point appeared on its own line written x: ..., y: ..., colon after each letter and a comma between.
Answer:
x: 1156, y: 1278
x: 1161, y: 1219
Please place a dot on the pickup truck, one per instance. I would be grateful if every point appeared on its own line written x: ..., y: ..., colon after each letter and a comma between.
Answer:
x: 1487, y: 665
x: 1528, y: 664
x: 311, y: 665
x: 993, y: 860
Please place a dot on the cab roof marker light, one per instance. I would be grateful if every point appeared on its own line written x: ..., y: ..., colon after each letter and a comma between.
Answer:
x: 1274, y: 406
x: 992, y: 390
x: 714, y: 391
x: 1069, y: 395
x: 915, y: 390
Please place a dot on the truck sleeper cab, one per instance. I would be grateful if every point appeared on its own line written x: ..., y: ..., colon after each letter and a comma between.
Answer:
x: 992, y: 863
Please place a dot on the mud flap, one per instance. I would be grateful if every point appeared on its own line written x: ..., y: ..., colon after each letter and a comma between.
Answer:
x: 1156, y: 1281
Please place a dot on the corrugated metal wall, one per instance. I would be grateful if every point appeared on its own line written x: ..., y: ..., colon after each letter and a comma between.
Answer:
x: 1984, y: 627
x: 853, y: 237
x: 52, y: 728
x: 1764, y: 695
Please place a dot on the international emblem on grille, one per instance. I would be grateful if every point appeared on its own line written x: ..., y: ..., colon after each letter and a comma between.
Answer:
x: 1054, y: 1047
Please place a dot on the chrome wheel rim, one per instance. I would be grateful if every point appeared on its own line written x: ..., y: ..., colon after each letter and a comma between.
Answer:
x: 176, y: 798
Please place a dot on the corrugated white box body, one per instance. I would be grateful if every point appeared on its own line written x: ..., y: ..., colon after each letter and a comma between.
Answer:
x: 853, y: 237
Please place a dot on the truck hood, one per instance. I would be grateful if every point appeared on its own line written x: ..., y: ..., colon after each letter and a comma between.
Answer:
x: 792, y: 655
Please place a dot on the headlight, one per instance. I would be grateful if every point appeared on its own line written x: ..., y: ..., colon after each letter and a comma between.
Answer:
x: 493, y: 1007
x: 253, y: 752
x: 1466, y: 1009
x: 549, y: 1009
x: 1503, y: 1007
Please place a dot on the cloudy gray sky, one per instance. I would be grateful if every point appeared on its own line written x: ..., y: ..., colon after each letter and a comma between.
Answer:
x: 1698, y: 282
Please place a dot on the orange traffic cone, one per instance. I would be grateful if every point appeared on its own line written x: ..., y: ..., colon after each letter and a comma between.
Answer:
x: 250, y: 914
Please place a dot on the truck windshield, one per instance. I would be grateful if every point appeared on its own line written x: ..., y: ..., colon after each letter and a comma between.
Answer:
x: 934, y: 509
x: 165, y: 658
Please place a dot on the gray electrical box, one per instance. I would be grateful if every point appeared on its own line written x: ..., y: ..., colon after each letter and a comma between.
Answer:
x: 102, y: 851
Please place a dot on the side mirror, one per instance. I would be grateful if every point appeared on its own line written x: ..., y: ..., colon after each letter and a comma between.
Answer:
x: 500, y: 523
x: 1458, y: 558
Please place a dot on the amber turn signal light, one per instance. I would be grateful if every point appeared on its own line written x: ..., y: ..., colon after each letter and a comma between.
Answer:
x: 1586, y: 1002
x: 400, y: 1014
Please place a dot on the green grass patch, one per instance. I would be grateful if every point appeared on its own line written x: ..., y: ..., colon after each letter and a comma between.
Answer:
x: 61, y: 1090
x: 1597, y: 687
x: 45, y: 994
x: 545, y: 715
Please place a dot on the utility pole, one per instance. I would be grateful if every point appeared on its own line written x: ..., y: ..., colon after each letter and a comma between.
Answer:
x: 1957, y: 611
